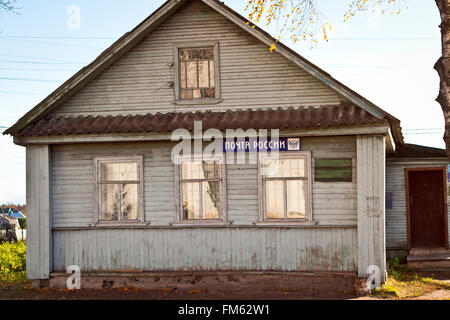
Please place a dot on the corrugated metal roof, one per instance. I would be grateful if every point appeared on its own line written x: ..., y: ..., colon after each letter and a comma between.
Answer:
x: 291, y: 118
x: 416, y: 151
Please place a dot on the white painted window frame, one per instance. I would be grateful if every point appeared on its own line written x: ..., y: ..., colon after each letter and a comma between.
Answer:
x: 262, y: 216
x: 139, y: 159
x: 179, y: 220
x: 197, y: 45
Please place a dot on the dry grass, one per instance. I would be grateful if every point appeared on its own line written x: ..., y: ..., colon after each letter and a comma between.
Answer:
x: 407, y: 283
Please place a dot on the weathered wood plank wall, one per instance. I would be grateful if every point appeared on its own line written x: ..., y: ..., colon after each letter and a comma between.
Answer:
x: 38, y: 190
x: 334, y: 203
x: 371, y: 203
x: 334, y: 208
x: 251, y: 248
x: 251, y: 75
x: 396, y: 219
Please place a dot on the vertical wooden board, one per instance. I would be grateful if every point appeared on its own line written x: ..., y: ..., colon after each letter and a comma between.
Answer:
x: 206, y: 252
x: 306, y: 237
x: 158, y: 251
x: 30, y: 216
x: 284, y: 248
x: 145, y: 251
x: 368, y: 218
x: 292, y: 250
x: 306, y: 249
x: 210, y: 254
x: 329, y: 249
x: 370, y: 202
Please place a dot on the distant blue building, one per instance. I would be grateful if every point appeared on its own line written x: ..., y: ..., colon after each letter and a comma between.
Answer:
x: 16, y: 214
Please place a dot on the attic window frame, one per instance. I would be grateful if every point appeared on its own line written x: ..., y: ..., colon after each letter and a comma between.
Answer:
x: 177, y: 88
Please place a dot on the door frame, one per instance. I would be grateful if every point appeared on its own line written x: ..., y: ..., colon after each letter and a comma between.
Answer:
x: 408, y: 208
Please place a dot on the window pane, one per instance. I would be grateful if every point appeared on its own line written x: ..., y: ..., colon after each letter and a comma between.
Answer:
x: 129, y: 199
x: 184, y: 55
x: 192, y: 170
x: 333, y: 170
x: 183, y: 74
x: 293, y: 167
x: 126, y: 171
x: 186, y: 94
x: 203, y: 74
x: 195, y: 54
x: 211, y: 73
x: 197, y: 94
x: 284, y: 168
x: 211, y: 200
x: 209, y: 54
x: 210, y: 93
x: 192, y: 74
x: 274, y: 199
x: 191, y: 200
x: 109, y: 202
x: 199, y: 170
x: 296, y: 199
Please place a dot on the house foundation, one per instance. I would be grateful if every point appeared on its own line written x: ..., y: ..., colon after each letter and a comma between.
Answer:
x: 218, y: 282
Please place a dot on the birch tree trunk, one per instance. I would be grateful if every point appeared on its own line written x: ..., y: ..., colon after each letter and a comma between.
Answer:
x: 442, y: 66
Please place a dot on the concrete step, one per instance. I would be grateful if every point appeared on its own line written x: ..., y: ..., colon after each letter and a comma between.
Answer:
x: 435, y: 261
x: 424, y: 251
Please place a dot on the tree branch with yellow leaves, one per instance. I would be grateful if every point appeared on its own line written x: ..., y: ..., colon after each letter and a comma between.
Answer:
x: 303, y: 20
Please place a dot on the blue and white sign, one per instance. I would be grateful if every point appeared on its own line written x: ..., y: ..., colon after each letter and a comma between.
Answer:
x: 261, y: 145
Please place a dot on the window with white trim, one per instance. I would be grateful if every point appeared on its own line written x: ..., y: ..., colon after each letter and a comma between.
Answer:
x: 197, y: 72
x: 285, y: 185
x: 119, y: 189
x: 201, y: 190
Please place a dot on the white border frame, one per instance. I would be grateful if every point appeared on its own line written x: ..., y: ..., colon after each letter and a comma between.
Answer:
x: 139, y: 159
x: 261, y: 190
x: 223, y: 192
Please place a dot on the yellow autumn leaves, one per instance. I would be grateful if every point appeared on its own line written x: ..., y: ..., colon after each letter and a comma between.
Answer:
x: 302, y: 19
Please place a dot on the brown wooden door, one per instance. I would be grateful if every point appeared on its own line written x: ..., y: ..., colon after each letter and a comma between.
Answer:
x: 427, y: 211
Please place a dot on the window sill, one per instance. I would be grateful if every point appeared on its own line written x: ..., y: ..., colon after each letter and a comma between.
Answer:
x: 196, y: 224
x: 192, y: 102
x: 118, y: 224
x: 285, y: 223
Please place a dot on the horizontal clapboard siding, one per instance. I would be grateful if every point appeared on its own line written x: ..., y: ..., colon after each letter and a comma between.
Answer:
x: 311, y: 249
x: 334, y: 203
x: 251, y: 76
x: 396, y: 218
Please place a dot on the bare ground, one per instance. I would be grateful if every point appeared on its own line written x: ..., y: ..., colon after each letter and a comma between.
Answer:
x: 25, y: 292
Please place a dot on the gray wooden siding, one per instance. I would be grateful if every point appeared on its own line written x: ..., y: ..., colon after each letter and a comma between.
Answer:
x: 251, y: 76
x: 73, y: 183
x: 396, y: 220
x: 371, y: 203
x: 38, y: 185
x: 331, y: 245
x: 308, y: 249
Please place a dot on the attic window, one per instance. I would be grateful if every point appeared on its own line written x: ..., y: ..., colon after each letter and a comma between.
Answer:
x: 197, y: 73
x: 197, y: 70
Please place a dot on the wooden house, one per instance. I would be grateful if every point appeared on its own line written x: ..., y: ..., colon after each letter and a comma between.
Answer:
x: 103, y: 192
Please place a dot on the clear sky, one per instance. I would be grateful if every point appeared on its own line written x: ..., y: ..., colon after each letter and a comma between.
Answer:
x: 387, y: 58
